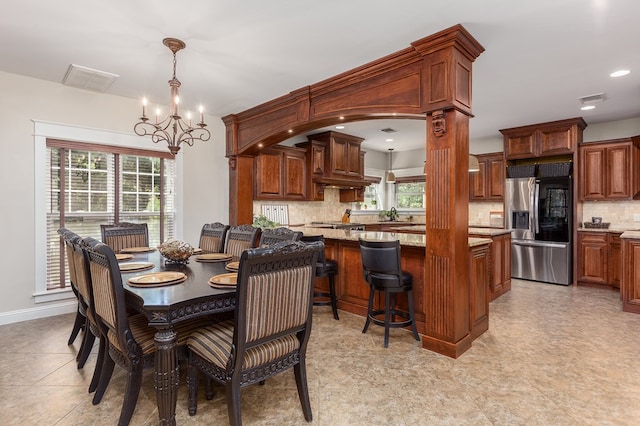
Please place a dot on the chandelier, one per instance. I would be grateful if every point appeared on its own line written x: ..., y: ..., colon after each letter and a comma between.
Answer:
x: 172, y: 129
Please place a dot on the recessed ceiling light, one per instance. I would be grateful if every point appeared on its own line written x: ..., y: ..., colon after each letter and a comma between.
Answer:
x: 619, y: 73
x: 588, y: 107
x: 388, y: 140
x: 340, y: 127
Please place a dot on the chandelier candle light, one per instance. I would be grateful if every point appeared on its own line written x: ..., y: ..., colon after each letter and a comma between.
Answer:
x: 172, y: 129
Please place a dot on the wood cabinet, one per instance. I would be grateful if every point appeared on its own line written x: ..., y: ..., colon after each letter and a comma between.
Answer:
x: 544, y: 139
x: 614, y: 272
x: 487, y: 184
x: 609, y: 170
x: 281, y: 174
x: 599, y: 258
x: 335, y: 159
x: 630, y: 285
x: 499, y: 264
x: 342, y: 155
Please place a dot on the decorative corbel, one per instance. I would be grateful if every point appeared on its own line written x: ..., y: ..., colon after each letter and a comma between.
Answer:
x: 439, y: 123
x: 233, y: 162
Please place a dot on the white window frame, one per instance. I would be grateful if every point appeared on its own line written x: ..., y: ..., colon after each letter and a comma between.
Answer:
x: 44, y: 130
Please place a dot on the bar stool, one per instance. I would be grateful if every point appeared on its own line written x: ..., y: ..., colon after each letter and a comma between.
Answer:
x: 382, y: 271
x: 325, y: 268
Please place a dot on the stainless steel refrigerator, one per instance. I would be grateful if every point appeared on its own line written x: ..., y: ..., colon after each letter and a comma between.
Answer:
x: 539, y: 213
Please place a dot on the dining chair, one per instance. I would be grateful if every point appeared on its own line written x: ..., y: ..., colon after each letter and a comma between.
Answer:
x: 271, y: 236
x: 92, y: 331
x: 79, y: 322
x: 212, y: 237
x: 240, y: 238
x: 381, y: 266
x: 123, y: 235
x: 270, y: 330
x: 325, y: 268
x: 129, y: 339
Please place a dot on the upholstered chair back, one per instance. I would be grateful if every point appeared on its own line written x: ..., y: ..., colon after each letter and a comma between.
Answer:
x: 124, y: 235
x: 212, y: 237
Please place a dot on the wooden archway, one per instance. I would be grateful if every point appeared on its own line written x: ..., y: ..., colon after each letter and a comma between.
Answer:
x: 430, y: 78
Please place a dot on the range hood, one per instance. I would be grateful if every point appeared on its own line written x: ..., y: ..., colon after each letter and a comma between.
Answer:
x: 336, y: 160
x: 345, y: 183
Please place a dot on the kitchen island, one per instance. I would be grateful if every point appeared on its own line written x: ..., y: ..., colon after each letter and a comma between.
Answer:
x: 353, y: 292
x: 499, y: 254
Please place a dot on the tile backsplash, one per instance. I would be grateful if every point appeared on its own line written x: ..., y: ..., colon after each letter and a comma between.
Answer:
x: 619, y: 213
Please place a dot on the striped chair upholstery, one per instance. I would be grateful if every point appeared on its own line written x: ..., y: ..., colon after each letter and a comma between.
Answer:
x: 124, y: 235
x: 84, y: 294
x: 68, y: 237
x: 212, y: 237
x: 240, y: 238
x: 270, y: 330
x: 276, y: 235
x: 129, y: 340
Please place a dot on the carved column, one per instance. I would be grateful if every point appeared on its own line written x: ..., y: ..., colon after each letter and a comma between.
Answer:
x: 446, y: 84
x: 240, y: 190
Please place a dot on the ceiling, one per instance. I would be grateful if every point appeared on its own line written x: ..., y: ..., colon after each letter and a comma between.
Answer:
x: 540, y: 57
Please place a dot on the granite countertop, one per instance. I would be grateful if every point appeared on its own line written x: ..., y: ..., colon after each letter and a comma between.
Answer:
x: 415, y: 240
x: 617, y: 228
x: 631, y: 234
x: 489, y: 232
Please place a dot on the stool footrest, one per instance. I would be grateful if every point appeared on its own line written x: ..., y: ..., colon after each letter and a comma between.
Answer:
x: 393, y: 324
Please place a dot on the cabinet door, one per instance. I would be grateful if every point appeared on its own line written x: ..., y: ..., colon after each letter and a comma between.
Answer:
x: 556, y: 141
x: 592, y: 169
x: 340, y: 155
x: 495, y: 178
x: 615, y: 257
x: 268, y: 179
x: 520, y: 146
x: 618, y: 172
x: 295, y: 177
x: 477, y: 186
x: 592, y: 257
x: 318, y: 153
x: 353, y: 160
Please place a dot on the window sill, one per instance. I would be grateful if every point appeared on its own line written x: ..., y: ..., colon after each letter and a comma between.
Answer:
x: 54, y: 295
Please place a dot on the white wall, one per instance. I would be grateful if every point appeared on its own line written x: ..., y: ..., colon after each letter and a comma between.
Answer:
x: 23, y: 99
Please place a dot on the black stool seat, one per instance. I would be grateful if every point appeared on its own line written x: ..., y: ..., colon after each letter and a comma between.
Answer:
x: 325, y: 268
x: 381, y: 269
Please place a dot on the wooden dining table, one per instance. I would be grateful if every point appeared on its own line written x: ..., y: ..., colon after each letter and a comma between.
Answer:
x: 165, y: 306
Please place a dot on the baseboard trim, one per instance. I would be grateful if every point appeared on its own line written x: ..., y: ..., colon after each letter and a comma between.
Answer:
x: 49, y: 310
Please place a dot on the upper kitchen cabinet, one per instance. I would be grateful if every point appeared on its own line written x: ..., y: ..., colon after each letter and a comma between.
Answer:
x: 281, y: 174
x: 487, y: 184
x: 344, y: 159
x: 335, y: 159
x: 544, y: 139
x: 609, y: 170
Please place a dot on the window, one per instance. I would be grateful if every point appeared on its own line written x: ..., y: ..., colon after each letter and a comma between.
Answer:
x: 89, y: 185
x: 410, y: 192
x: 371, y: 197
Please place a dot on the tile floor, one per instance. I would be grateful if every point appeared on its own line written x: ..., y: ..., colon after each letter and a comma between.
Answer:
x: 553, y: 355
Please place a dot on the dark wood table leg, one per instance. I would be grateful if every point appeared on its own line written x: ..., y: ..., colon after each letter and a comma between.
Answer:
x: 167, y: 375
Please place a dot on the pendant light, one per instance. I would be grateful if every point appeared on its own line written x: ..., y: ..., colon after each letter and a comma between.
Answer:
x: 474, y: 165
x: 390, y: 176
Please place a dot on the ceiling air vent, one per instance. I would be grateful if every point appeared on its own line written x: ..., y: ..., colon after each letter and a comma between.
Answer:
x: 388, y: 130
x: 598, y: 97
x: 88, y: 79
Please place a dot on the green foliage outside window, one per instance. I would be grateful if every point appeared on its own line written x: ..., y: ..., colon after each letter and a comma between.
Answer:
x: 410, y: 195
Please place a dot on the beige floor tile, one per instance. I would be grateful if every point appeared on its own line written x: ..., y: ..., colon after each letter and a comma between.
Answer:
x: 553, y: 355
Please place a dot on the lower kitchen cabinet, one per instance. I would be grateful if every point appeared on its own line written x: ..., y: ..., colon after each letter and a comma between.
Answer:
x: 499, y: 264
x: 599, y: 258
x: 630, y: 286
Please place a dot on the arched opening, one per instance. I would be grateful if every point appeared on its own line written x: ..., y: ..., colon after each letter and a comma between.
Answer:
x: 432, y: 79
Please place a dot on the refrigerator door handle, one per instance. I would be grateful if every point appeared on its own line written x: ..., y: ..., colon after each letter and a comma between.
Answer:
x: 536, y: 194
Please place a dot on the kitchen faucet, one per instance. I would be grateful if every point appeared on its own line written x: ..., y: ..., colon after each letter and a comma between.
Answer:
x: 393, y: 214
